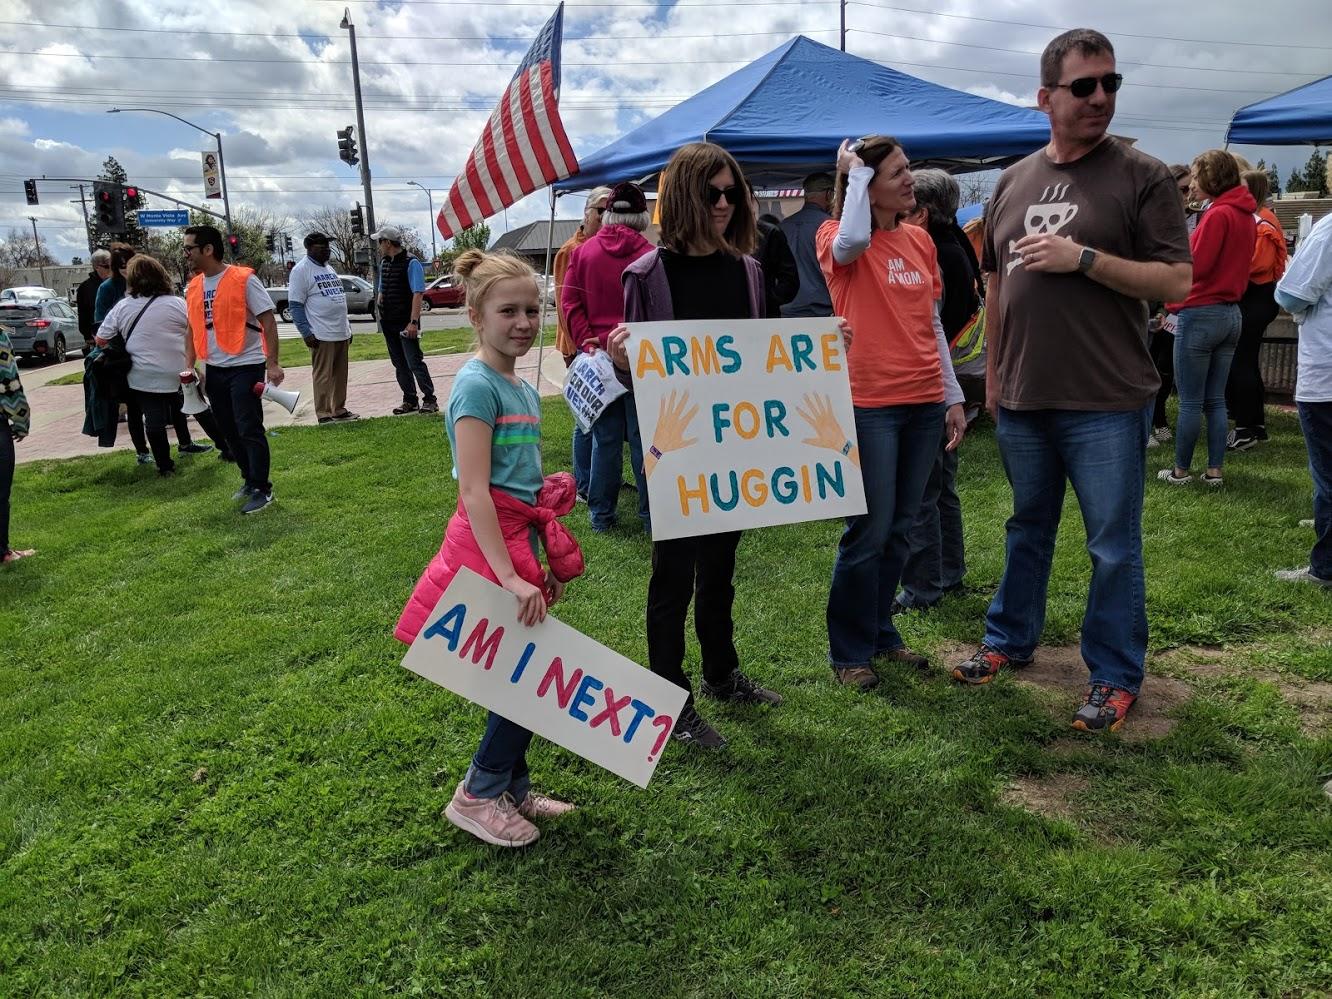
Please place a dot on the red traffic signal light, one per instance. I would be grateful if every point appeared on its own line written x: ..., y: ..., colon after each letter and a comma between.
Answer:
x: 131, y: 194
x: 233, y: 244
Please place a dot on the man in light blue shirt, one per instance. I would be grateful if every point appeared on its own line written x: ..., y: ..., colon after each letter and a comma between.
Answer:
x: 398, y: 292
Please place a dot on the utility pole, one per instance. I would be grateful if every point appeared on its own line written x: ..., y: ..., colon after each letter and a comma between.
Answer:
x: 37, y: 247
x: 87, y: 225
x: 360, y: 124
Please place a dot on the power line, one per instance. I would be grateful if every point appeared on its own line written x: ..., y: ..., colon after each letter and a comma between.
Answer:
x: 1124, y: 62
x: 1064, y: 27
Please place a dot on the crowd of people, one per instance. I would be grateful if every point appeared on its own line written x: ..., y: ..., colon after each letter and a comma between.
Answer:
x: 1049, y: 329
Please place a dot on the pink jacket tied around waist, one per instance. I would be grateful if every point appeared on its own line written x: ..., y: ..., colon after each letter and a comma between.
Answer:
x: 516, y: 519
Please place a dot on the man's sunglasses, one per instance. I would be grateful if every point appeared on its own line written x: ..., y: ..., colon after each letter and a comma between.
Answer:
x: 733, y: 194
x: 1085, y: 86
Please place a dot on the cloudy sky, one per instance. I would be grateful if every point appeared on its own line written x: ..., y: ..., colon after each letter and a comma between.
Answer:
x: 275, y: 79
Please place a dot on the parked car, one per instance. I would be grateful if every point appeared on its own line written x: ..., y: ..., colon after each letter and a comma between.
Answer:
x: 360, y: 298
x: 445, y: 293
x: 27, y: 293
x: 47, y: 329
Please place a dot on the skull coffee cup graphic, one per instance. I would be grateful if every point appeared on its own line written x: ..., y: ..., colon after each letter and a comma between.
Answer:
x: 1047, y: 216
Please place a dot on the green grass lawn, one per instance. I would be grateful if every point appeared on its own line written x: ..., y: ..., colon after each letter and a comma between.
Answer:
x: 217, y: 780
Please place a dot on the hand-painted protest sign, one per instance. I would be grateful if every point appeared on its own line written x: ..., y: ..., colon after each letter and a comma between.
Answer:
x: 549, y: 678
x: 745, y: 423
x: 590, y: 386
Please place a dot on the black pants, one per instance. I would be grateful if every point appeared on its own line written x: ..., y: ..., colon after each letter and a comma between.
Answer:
x: 702, y: 569
x: 408, y: 362
x: 240, y: 419
x: 158, y: 409
x: 1163, y: 356
x: 6, y: 480
x: 1244, y: 388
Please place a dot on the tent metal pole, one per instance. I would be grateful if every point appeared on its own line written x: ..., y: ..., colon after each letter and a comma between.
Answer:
x: 541, y: 329
x: 842, y: 5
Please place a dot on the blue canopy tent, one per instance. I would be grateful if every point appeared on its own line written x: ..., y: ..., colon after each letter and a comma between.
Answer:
x: 1298, y: 117
x: 784, y: 114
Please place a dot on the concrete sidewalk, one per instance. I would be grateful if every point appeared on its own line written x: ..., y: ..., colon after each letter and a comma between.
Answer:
x: 57, y: 410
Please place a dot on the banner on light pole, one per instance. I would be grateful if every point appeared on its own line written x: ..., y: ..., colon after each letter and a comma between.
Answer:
x: 212, y: 181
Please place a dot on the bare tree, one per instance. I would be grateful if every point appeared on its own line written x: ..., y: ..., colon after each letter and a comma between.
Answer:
x: 335, y: 223
x: 19, y: 250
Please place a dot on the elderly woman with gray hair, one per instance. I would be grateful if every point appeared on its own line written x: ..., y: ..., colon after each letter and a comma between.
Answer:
x: 936, y: 563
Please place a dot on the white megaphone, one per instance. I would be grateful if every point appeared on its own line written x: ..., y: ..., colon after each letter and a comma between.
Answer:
x: 287, y: 400
x: 195, y: 402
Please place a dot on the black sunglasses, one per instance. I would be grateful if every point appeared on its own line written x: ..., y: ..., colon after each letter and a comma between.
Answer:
x: 733, y: 194
x: 1085, y: 86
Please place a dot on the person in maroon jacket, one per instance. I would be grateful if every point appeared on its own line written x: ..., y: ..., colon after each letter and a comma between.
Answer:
x: 1207, y: 325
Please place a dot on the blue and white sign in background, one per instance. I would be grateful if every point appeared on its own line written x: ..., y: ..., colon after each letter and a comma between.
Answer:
x: 164, y: 219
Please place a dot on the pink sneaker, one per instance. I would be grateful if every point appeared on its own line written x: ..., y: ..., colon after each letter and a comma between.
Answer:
x: 492, y: 820
x: 541, y: 806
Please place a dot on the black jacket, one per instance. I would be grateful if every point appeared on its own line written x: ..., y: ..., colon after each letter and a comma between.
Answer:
x: 781, y: 279
x: 85, y: 300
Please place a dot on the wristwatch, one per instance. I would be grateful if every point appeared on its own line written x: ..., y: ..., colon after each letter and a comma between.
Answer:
x: 1085, y: 259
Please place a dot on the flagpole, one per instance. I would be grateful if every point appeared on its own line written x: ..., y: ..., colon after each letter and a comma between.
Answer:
x: 541, y: 334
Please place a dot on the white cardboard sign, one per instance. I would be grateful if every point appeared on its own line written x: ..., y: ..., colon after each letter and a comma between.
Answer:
x: 548, y: 678
x: 745, y: 423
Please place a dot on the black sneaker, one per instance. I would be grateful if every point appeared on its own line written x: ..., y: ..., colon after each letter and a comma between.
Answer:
x: 406, y: 407
x: 691, y: 728
x: 430, y: 406
x: 257, y: 501
x: 1241, y: 440
x: 243, y: 493
x: 984, y: 663
x: 742, y: 690
x: 195, y: 448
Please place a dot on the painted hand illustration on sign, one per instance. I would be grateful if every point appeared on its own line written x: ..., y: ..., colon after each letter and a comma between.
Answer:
x: 673, y: 421
x: 818, y: 413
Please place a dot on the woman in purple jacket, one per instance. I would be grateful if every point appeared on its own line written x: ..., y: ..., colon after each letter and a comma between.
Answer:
x: 701, y: 271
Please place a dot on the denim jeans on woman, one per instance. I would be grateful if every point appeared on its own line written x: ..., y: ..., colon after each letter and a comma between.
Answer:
x: 1316, y: 421
x: 1205, y: 340
x: 618, y: 423
x: 897, y: 448
x: 1103, y: 454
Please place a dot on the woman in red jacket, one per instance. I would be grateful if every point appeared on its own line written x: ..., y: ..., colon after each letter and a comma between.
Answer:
x: 1244, y: 390
x: 1208, y: 321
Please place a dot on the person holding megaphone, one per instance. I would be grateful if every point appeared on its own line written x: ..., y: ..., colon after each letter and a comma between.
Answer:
x: 235, y: 334
x: 151, y: 324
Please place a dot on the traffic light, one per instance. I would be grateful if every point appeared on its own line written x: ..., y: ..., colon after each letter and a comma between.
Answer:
x: 357, y: 222
x: 129, y: 196
x: 347, y: 146
x: 30, y: 189
x: 270, y: 242
x: 233, y: 245
x: 288, y: 238
x: 110, y: 207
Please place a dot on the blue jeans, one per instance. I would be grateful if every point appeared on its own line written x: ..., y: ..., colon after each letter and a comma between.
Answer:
x: 617, y: 423
x: 1205, y: 342
x: 897, y: 447
x: 937, y: 560
x: 500, y: 763
x: 582, y: 460
x: 1316, y: 421
x: 1104, y: 456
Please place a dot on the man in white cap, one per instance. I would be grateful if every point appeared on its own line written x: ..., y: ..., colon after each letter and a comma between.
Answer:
x: 398, y: 294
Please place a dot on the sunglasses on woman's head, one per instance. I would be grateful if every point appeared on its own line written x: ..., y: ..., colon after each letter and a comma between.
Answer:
x: 733, y: 194
x: 1085, y: 86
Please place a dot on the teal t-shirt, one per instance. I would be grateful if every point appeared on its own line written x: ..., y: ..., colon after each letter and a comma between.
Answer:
x: 513, y: 412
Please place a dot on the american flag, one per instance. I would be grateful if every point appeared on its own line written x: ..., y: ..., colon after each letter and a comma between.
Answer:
x: 523, y: 146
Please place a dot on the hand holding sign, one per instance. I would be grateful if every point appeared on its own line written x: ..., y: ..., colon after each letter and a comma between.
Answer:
x: 672, y: 423
x: 818, y: 413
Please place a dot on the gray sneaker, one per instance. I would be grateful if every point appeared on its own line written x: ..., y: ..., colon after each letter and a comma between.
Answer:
x: 243, y: 493
x: 740, y: 689
x: 693, y: 729
x: 1304, y: 575
x: 258, y: 500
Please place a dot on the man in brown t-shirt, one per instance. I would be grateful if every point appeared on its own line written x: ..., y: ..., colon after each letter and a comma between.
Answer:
x: 1080, y: 235
x: 582, y: 443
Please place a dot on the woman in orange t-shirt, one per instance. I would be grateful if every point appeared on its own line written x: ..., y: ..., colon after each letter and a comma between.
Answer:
x: 884, y: 279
